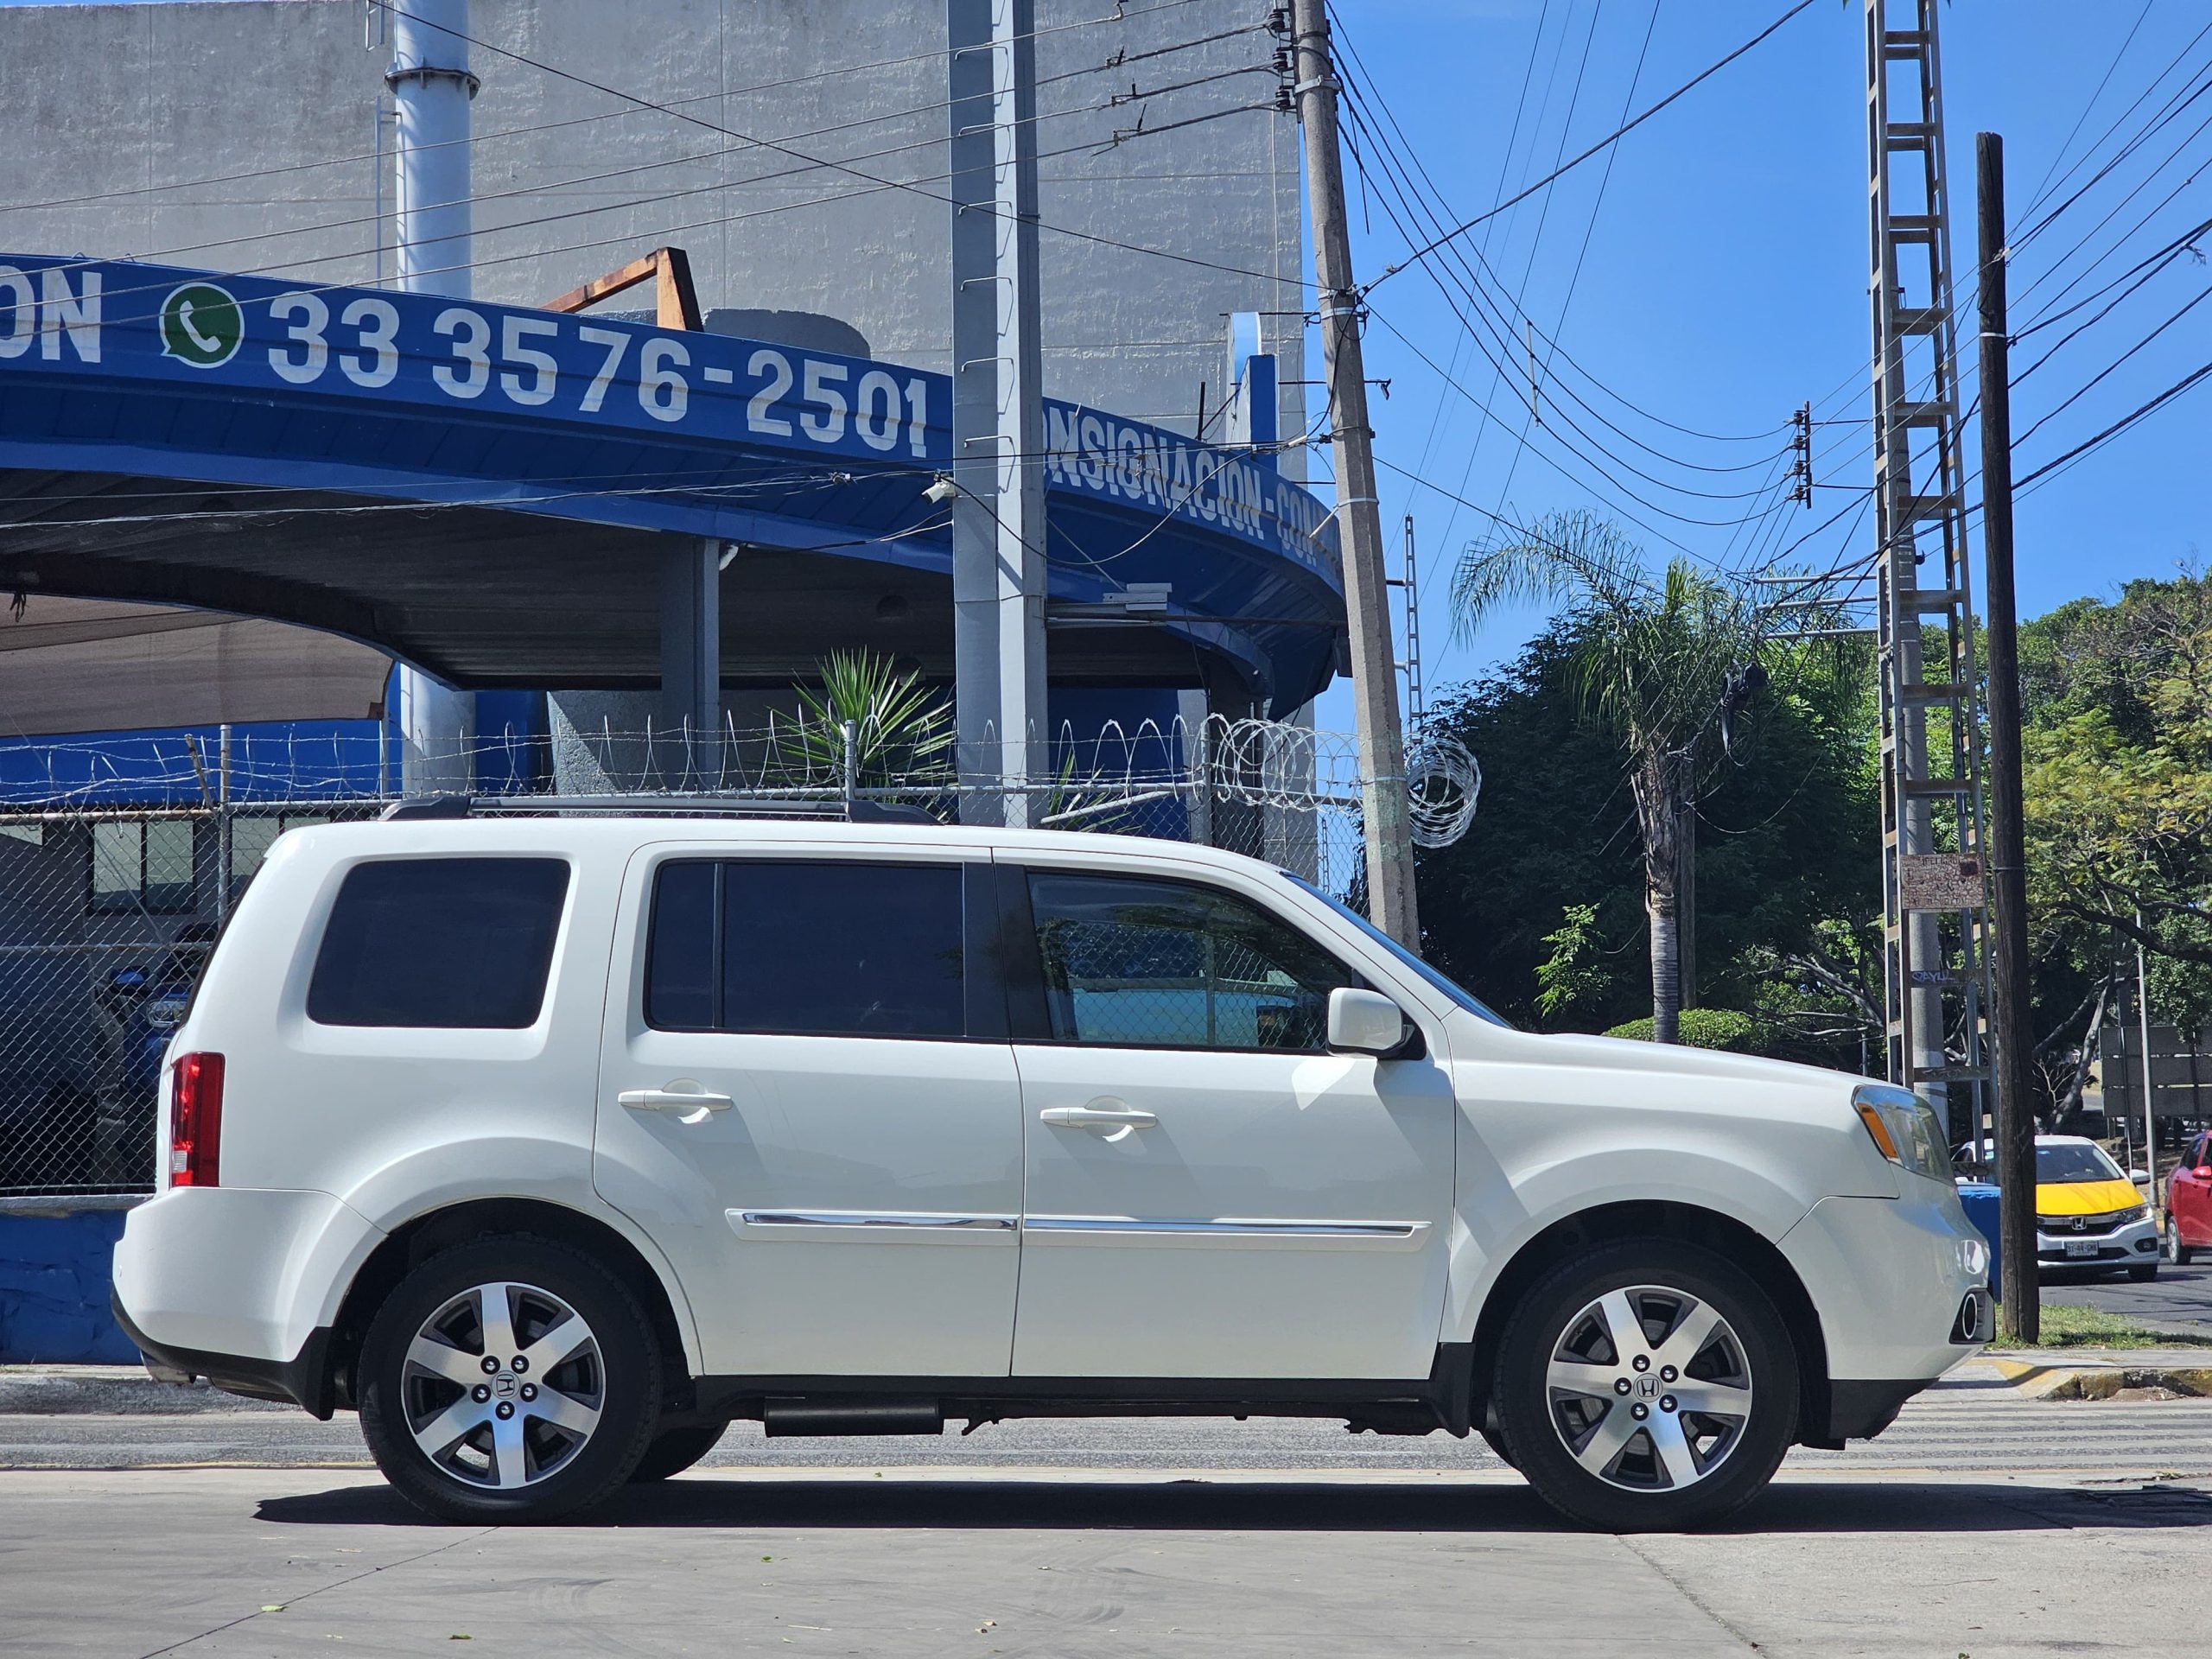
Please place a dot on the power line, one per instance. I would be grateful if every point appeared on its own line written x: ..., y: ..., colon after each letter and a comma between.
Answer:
x: 870, y: 178
x: 2141, y: 412
x: 1610, y: 139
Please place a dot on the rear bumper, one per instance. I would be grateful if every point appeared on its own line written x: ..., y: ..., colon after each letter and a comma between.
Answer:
x: 304, y: 1380
x: 244, y: 1271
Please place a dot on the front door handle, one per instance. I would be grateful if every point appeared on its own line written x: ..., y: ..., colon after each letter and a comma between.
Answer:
x: 1118, y: 1120
x: 689, y: 1100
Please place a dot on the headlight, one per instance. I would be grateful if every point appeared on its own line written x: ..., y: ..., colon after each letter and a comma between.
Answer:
x: 2121, y: 1217
x: 1905, y: 1128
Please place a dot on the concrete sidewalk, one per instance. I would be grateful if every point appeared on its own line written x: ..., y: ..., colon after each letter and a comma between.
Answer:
x: 1094, y: 1564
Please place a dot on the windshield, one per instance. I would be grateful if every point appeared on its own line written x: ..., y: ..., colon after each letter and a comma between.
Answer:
x: 1399, y: 952
x: 2062, y: 1166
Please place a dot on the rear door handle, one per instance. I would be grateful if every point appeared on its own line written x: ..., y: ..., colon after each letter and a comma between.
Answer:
x: 1120, y: 1119
x: 694, y: 1103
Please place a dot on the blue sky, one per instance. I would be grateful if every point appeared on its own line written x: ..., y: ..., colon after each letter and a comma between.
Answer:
x: 1726, y: 273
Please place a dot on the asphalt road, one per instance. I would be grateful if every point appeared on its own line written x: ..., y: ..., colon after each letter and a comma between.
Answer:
x: 2180, y: 1296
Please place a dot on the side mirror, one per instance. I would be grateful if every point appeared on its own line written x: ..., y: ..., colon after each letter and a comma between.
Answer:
x: 1366, y: 1022
x: 2139, y: 1174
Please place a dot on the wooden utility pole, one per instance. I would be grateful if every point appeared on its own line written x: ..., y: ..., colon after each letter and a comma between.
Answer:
x: 1367, y: 604
x: 2016, y: 1122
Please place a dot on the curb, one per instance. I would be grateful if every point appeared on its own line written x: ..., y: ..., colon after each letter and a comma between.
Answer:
x: 2099, y: 1375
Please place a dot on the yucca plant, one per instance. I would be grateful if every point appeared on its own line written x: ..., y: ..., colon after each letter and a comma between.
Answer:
x: 903, y: 729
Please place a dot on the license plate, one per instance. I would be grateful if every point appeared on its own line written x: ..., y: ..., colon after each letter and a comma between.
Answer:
x: 2080, y: 1247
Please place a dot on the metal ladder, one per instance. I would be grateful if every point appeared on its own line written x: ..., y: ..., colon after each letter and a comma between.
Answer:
x: 1935, y: 916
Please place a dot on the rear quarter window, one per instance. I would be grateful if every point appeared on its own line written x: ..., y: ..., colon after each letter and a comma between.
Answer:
x: 445, y: 942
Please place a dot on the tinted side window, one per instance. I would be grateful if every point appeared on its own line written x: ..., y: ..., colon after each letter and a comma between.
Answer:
x: 815, y: 950
x: 440, y: 942
x: 1136, y: 963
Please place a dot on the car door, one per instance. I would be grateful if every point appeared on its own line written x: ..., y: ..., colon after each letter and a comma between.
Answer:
x: 2189, y: 1194
x: 1210, y: 1193
x: 807, y: 1097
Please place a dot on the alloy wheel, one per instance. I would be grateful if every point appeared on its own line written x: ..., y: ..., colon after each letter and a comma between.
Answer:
x: 503, y: 1385
x: 1649, y: 1388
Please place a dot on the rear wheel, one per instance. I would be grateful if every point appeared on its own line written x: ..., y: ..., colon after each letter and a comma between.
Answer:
x: 675, y: 1450
x: 2177, y: 1252
x: 1647, y: 1385
x: 514, y: 1379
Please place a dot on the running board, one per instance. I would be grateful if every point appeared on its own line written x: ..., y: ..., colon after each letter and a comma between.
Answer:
x: 782, y: 1418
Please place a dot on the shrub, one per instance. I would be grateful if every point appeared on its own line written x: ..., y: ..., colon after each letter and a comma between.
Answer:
x: 1722, y: 1028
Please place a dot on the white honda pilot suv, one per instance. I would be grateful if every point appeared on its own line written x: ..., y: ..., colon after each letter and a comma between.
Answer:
x: 551, y: 1145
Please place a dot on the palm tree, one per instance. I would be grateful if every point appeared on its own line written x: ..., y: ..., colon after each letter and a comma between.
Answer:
x: 1652, y: 663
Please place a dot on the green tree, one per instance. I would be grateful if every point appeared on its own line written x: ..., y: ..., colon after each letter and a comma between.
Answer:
x: 1649, y: 666
x: 1788, y: 888
x: 2117, y: 700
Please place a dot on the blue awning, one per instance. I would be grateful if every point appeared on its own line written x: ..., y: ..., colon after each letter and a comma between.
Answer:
x: 476, y: 488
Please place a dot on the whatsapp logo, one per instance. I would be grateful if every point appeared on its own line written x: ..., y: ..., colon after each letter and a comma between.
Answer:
x: 201, y: 325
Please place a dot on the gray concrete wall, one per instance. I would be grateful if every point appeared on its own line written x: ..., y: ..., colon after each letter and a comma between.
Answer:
x: 245, y: 136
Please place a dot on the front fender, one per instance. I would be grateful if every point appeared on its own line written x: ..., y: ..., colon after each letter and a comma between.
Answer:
x: 1498, y: 1212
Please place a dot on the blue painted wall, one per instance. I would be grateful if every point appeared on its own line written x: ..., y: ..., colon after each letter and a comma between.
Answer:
x: 53, y: 1289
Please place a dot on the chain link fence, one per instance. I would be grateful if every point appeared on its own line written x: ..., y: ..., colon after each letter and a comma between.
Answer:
x: 115, y: 873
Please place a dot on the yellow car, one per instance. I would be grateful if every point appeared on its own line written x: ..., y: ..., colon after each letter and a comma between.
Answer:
x: 2088, y: 1213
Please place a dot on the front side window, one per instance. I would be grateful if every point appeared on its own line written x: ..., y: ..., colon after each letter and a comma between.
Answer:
x: 1131, y: 962
x: 446, y: 943
x: 792, y: 948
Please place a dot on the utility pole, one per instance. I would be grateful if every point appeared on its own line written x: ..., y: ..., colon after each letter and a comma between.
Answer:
x: 2016, y: 1122
x: 1389, y: 830
x: 998, y: 410
x: 431, y: 87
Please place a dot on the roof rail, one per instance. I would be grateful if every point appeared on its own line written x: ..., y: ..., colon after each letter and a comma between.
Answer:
x: 421, y: 808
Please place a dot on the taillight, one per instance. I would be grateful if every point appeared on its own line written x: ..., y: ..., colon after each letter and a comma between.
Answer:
x: 195, y: 1120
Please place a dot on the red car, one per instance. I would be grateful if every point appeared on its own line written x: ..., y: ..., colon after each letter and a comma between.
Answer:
x: 2189, y: 1202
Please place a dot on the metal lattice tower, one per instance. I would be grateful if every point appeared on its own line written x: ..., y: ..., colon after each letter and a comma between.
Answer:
x: 1935, y: 918
x: 1409, y: 584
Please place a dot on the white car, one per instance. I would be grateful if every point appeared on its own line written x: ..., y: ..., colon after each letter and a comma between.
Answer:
x: 551, y: 1145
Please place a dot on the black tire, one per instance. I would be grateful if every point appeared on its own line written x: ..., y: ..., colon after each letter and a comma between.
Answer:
x: 2177, y: 1253
x: 1634, y: 1492
x: 560, y: 1470
x: 1499, y: 1449
x: 675, y: 1450
x: 2142, y: 1272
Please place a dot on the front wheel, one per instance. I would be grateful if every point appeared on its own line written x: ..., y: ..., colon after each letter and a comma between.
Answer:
x: 2177, y: 1252
x: 1647, y: 1385
x: 2142, y: 1272
x: 514, y: 1379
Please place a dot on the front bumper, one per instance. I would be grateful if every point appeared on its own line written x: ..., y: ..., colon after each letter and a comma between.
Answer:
x: 1887, y: 1278
x: 2130, y: 1244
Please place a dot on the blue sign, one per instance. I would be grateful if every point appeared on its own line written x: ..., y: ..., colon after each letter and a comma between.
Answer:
x: 352, y: 345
